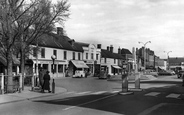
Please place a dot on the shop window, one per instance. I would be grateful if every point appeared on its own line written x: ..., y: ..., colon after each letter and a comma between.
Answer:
x: 60, y: 68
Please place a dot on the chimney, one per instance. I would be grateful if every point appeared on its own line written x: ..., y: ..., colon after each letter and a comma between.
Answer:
x: 99, y: 46
x: 107, y: 48
x: 119, y: 50
x: 111, y: 48
x: 59, y: 30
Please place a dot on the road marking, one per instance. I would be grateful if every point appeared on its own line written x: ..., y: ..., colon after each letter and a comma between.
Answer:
x: 149, y: 110
x: 152, y: 94
x: 82, y: 93
x: 172, y: 95
x: 98, y: 92
x: 89, y: 102
x: 115, y: 91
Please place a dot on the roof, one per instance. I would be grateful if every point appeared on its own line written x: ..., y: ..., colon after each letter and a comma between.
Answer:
x: 176, y: 60
x: 83, y: 44
x: 108, y: 54
x: 125, y: 51
x: 57, y: 41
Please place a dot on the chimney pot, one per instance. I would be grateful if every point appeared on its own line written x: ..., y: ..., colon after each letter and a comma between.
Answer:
x: 59, y: 30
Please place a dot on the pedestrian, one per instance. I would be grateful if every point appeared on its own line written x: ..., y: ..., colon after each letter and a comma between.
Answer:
x: 41, y: 74
x: 46, y: 83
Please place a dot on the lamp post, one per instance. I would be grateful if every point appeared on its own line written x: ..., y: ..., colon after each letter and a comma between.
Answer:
x: 168, y: 58
x: 144, y: 52
x: 53, y: 57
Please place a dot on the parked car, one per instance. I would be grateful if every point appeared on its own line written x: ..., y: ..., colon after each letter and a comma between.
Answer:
x: 165, y: 72
x: 180, y: 73
x: 79, y: 73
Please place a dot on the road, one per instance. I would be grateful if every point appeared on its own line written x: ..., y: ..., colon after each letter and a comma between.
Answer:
x: 91, y: 96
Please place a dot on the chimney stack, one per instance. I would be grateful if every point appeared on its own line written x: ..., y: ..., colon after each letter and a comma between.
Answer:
x: 107, y: 48
x: 111, y: 48
x: 119, y: 50
x: 99, y: 46
x: 59, y: 30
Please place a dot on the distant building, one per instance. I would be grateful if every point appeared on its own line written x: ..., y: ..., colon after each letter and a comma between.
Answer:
x: 176, y: 62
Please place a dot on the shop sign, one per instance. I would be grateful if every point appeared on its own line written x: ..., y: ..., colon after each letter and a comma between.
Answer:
x: 89, y: 62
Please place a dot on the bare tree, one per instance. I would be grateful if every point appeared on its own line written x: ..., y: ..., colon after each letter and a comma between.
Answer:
x: 23, y: 21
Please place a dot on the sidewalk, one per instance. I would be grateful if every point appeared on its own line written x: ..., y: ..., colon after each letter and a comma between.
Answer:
x: 27, y: 94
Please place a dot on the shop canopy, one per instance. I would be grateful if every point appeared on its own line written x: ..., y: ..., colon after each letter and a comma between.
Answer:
x: 116, y: 66
x: 79, y: 64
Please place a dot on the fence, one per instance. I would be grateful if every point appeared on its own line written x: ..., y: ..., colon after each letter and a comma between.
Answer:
x: 18, y: 82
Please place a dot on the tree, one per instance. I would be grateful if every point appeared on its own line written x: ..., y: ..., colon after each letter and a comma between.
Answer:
x: 24, y: 21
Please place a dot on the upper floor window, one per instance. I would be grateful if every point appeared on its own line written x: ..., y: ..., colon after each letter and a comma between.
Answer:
x: 43, y: 53
x: 73, y: 55
x: 105, y: 60
x: 86, y: 55
x: 79, y: 56
x: 65, y: 55
x: 96, y: 56
x: 55, y: 53
x: 34, y: 52
x: 92, y: 56
x: 114, y: 61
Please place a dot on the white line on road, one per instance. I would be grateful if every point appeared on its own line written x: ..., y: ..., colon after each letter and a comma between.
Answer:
x: 172, y: 95
x: 99, y: 92
x: 89, y: 102
x: 82, y: 93
x: 152, y: 94
x: 148, y: 111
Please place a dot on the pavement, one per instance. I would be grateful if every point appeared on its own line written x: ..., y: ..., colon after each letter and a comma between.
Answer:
x: 28, y: 94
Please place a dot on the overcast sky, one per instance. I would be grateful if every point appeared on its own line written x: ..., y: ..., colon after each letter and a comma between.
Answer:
x: 123, y: 23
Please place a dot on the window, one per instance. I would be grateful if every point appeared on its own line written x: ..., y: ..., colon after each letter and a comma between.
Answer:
x: 55, y: 53
x: 92, y: 56
x: 86, y: 55
x: 114, y: 61
x: 65, y: 55
x: 105, y: 60
x: 43, y: 53
x: 34, y: 52
x: 96, y: 56
x: 73, y: 55
x: 78, y: 56
x: 60, y: 68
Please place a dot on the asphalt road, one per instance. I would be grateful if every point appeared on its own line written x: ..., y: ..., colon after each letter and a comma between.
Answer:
x: 91, y: 96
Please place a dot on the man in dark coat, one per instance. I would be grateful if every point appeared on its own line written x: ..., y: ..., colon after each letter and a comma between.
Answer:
x: 46, y: 83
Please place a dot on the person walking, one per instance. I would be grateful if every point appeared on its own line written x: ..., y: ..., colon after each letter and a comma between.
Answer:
x: 41, y: 74
x: 46, y: 83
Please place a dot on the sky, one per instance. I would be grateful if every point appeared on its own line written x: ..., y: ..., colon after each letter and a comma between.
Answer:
x: 124, y: 23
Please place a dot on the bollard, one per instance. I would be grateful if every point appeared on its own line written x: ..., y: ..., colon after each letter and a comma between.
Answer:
x: 2, y: 83
x: 33, y: 82
x: 137, y: 80
x: 53, y: 86
x: 20, y: 83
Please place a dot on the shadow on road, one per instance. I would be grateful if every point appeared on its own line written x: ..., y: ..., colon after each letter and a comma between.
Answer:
x: 122, y: 104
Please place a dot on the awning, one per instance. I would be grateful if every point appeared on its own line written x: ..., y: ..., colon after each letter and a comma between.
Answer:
x: 79, y: 64
x: 116, y: 66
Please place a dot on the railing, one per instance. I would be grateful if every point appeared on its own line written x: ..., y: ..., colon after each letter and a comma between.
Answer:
x: 18, y: 82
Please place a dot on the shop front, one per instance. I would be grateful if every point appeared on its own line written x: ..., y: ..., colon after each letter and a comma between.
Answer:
x: 77, y: 68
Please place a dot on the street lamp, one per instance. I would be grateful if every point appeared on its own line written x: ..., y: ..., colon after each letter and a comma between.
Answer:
x: 53, y: 57
x: 144, y: 52
x: 168, y: 58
